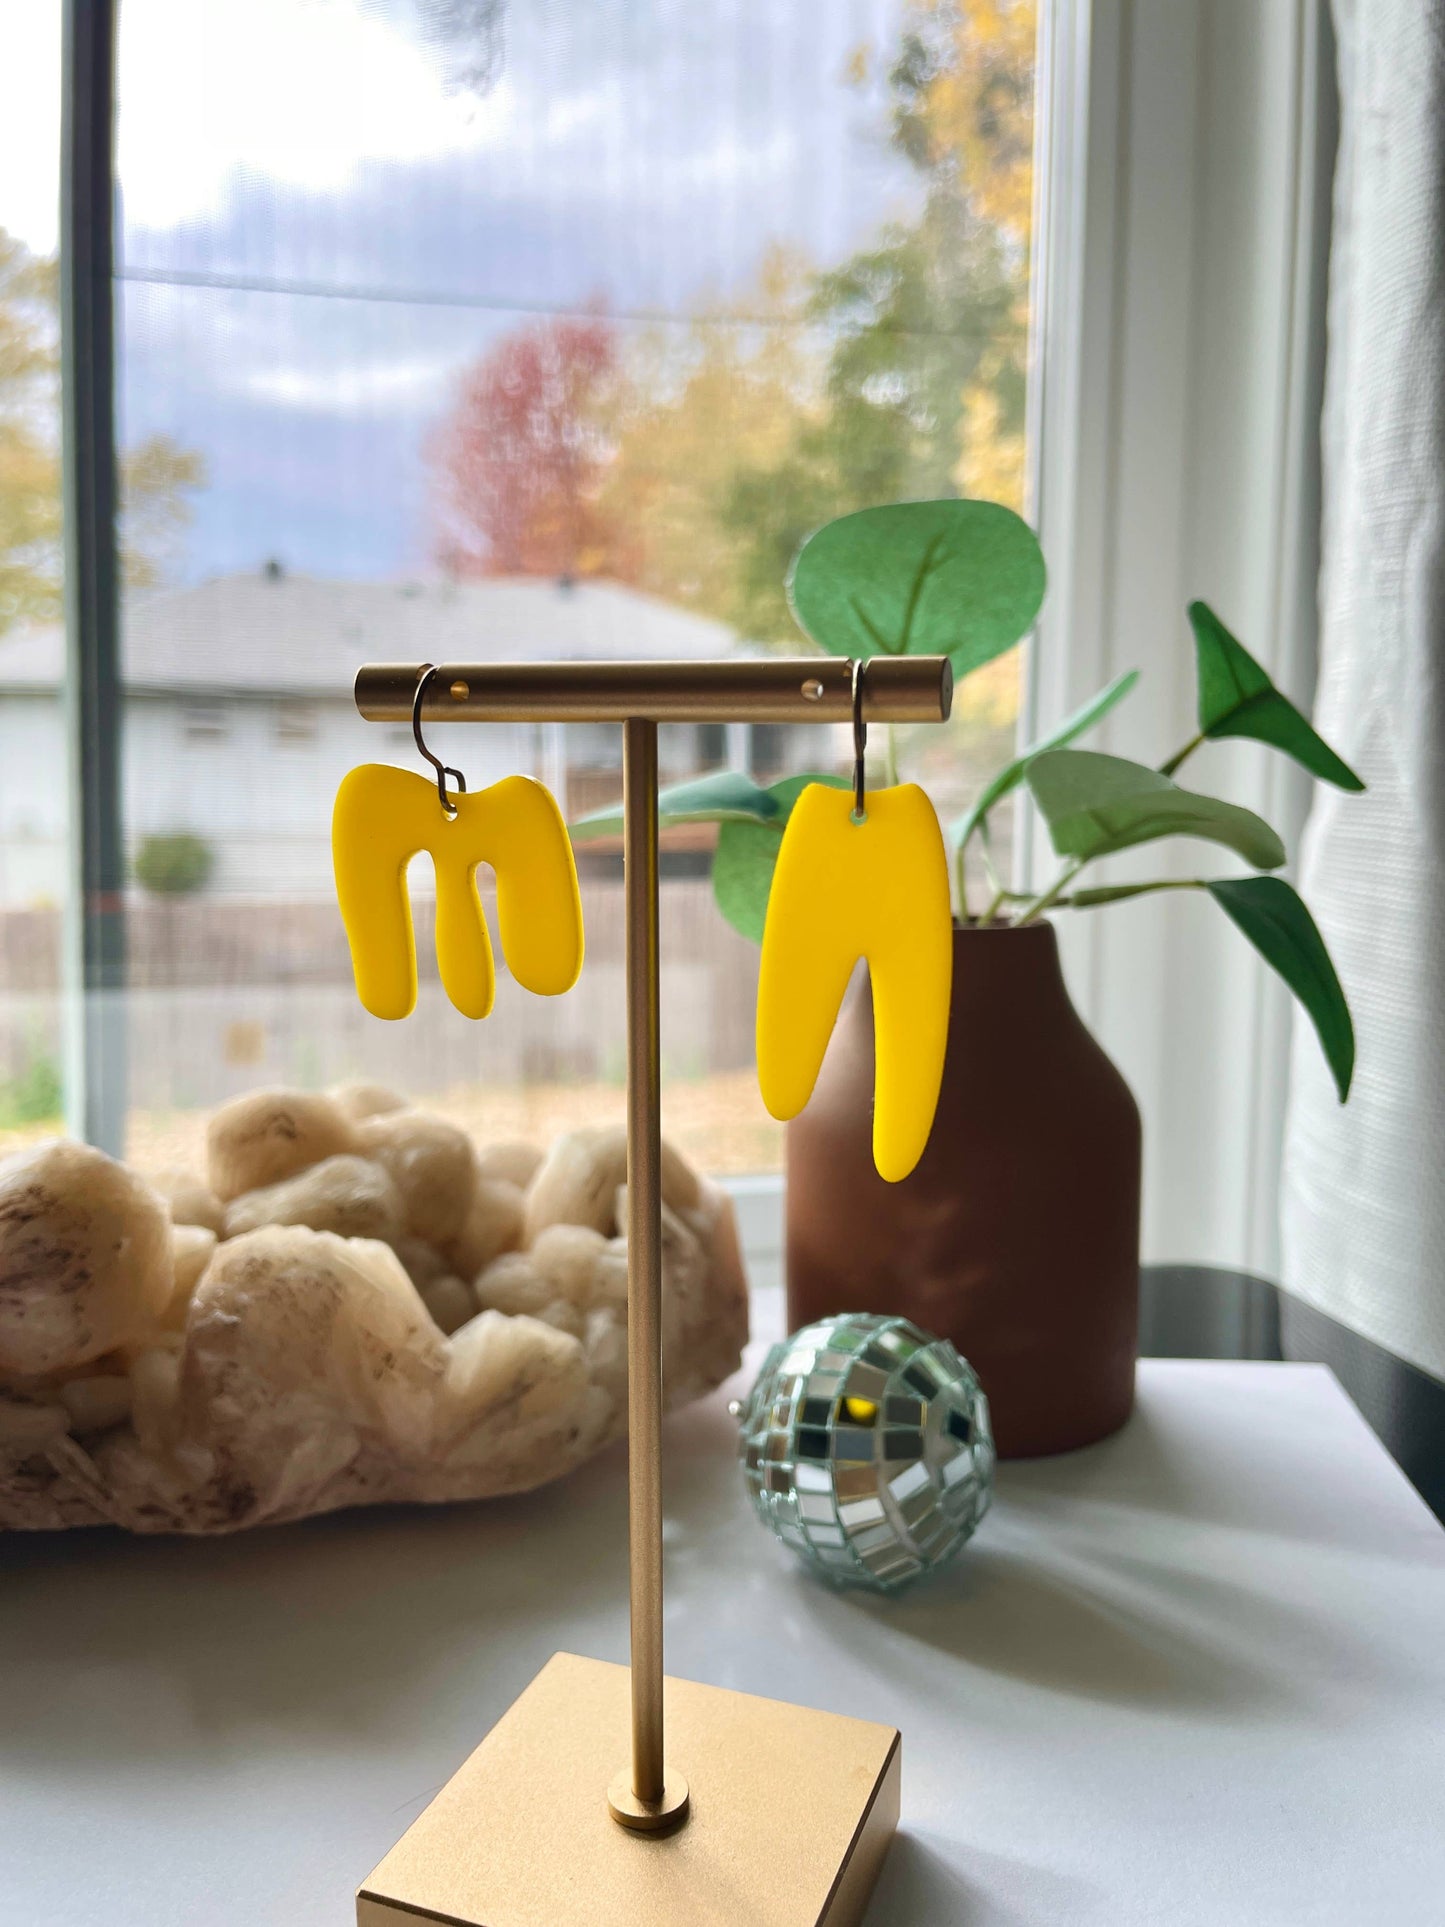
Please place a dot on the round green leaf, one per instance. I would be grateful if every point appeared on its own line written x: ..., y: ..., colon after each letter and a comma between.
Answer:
x: 956, y: 579
x: 742, y: 874
x: 1096, y: 804
x: 1009, y: 778
x: 747, y: 853
x: 720, y: 797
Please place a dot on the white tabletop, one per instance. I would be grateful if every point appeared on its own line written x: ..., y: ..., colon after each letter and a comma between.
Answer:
x: 1195, y: 1674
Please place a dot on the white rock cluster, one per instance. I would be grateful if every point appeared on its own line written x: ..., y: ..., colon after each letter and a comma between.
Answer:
x: 355, y: 1306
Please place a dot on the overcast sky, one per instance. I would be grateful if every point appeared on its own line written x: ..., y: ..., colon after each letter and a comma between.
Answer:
x: 322, y: 226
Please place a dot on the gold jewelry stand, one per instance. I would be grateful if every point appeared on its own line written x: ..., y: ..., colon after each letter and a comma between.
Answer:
x: 767, y: 1815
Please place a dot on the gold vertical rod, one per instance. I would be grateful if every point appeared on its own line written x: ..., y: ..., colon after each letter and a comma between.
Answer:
x: 644, y: 1253
x: 645, y: 1797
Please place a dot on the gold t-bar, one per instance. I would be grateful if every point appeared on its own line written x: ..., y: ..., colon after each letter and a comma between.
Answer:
x: 762, y: 689
x: 647, y: 1795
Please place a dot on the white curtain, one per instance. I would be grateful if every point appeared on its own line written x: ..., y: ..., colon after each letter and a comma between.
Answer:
x: 1364, y: 1191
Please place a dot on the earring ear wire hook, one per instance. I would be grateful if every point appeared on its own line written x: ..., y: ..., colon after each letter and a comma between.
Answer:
x: 443, y: 770
x: 860, y: 742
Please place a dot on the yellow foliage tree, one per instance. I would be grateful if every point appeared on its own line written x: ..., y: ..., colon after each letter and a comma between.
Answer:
x: 975, y: 109
x: 925, y: 380
x: 729, y: 389
x: 899, y: 372
x: 155, y: 477
x: 29, y: 472
x: 966, y: 116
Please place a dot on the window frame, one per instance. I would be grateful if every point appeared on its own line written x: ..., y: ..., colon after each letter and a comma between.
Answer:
x: 1181, y: 314
x: 94, y: 941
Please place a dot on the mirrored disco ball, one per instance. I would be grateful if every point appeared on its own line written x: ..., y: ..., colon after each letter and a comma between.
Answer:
x: 866, y: 1447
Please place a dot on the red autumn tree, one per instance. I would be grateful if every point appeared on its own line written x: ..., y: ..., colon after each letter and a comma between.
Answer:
x: 517, y: 464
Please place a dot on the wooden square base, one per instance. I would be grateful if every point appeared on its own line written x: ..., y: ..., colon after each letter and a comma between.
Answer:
x: 792, y: 1812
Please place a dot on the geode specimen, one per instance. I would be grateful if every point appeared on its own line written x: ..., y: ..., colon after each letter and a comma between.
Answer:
x: 355, y: 1306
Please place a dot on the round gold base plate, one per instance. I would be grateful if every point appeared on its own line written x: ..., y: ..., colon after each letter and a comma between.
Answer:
x: 648, y: 1816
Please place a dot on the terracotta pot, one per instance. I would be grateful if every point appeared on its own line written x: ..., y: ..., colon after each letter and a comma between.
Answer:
x: 1017, y: 1236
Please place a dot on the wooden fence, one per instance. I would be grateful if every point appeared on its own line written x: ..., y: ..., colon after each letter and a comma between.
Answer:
x: 224, y: 995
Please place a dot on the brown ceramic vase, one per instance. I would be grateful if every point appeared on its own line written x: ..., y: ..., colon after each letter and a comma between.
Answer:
x: 1017, y: 1235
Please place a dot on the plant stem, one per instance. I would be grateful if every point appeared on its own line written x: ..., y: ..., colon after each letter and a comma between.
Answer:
x: 1180, y: 755
x: 990, y: 874
x: 1093, y: 899
x: 1055, y: 890
x: 960, y: 878
x: 1119, y: 893
x: 890, y: 756
x: 1000, y: 898
x: 985, y: 849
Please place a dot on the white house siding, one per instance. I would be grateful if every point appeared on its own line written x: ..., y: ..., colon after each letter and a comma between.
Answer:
x: 244, y: 985
x: 34, y: 789
x: 195, y: 1044
x: 256, y: 792
x: 260, y: 800
x: 260, y: 797
x: 270, y: 659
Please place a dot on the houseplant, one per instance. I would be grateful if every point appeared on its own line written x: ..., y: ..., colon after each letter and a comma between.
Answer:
x: 1017, y: 1235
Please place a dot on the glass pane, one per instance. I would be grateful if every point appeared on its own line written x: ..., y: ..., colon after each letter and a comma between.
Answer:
x: 32, y: 766
x: 459, y: 329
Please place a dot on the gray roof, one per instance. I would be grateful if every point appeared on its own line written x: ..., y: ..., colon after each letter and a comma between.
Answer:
x: 293, y: 633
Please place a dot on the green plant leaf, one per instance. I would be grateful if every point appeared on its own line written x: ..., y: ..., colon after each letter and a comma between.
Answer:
x: 1009, y: 778
x: 956, y: 579
x: 727, y: 795
x: 747, y: 853
x: 1276, y: 921
x: 1237, y: 698
x: 1095, y: 805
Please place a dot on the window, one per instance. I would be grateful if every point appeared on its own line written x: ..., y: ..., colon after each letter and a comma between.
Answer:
x: 343, y: 221
x: 456, y: 332
x: 205, y: 723
x: 297, y: 725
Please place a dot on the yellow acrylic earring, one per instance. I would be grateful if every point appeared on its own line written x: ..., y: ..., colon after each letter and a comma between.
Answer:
x: 860, y: 877
x: 384, y: 816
